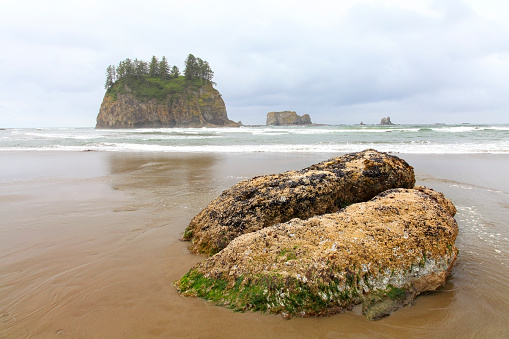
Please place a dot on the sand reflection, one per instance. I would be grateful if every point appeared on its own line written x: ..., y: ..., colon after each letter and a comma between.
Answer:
x: 93, y: 253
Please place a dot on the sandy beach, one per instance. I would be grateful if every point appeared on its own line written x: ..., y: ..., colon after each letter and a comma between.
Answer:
x: 89, y: 248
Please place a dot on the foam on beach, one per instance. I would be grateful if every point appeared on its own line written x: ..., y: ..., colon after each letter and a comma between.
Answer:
x: 408, y: 139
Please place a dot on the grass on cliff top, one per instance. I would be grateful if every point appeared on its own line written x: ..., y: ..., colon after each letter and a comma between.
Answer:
x: 146, y: 87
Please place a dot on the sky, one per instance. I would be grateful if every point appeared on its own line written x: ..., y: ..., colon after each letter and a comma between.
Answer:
x: 341, y: 62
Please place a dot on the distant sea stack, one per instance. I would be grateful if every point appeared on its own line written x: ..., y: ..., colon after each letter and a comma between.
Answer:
x: 141, y: 94
x: 386, y: 121
x: 287, y: 118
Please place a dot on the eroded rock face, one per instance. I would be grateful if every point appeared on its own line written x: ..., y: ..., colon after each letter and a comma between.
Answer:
x: 322, y: 188
x: 203, y: 107
x: 386, y: 121
x: 287, y: 118
x: 381, y: 253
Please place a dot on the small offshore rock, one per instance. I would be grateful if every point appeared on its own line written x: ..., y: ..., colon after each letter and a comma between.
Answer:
x: 270, y: 199
x: 381, y: 253
x: 287, y: 118
x: 386, y: 121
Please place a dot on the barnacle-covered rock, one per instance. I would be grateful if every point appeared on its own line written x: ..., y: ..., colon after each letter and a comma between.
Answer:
x: 270, y: 199
x: 381, y: 253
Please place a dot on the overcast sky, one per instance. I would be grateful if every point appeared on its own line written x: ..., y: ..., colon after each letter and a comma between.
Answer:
x: 342, y: 62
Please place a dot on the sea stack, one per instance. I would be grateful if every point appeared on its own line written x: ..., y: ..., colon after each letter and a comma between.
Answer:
x: 126, y: 106
x: 386, y: 121
x: 287, y: 118
x: 152, y: 94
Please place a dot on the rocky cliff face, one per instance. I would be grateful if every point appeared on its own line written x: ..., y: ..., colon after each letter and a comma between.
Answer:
x: 287, y: 118
x: 386, y: 121
x: 193, y: 107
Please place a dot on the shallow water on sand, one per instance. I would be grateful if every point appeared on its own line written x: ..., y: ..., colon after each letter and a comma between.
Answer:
x: 89, y: 248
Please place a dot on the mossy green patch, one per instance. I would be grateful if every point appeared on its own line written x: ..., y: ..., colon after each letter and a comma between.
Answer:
x: 188, y: 233
x: 395, y: 293
x: 380, y: 303
x: 288, y: 253
x: 271, y: 293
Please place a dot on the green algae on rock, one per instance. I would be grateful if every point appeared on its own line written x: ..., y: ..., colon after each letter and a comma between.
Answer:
x: 381, y: 253
x: 270, y: 199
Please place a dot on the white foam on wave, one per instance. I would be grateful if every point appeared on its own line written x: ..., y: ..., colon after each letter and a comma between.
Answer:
x: 408, y: 139
x: 408, y: 148
x: 63, y: 136
x: 496, y: 128
x: 458, y: 129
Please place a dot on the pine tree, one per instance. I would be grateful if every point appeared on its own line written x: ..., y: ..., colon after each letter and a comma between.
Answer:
x: 164, y: 69
x: 200, y: 66
x: 191, y: 70
x: 125, y: 69
x: 153, y: 68
x: 209, y: 74
x: 141, y: 68
x: 111, y: 76
x: 205, y: 72
x: 175, y: 72
x: 121, y: 70
x: 129, y: 66
x: 130, y: 70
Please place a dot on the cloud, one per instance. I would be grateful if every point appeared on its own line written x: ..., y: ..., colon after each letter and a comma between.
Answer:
x: 341, y: 62
x: 437, y: 59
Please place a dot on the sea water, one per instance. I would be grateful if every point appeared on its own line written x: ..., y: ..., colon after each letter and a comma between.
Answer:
x: 410, y: 139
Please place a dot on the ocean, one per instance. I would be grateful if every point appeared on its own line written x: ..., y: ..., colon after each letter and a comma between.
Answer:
x: 410, y: 139
x: 90, y: 222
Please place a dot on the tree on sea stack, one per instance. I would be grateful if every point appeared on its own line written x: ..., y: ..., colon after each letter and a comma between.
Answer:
x: 141, y: 68
x: 191, y: 69
x: 128, y: 69
x: 111, y: 76
x: 197, y: 68
x: 153, y: 69
x: 204, y: 70
x: 164, y: 69
x: 175, y: 72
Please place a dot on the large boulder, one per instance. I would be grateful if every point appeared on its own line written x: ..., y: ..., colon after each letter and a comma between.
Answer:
x: 270, y: 199
x: 381, y: 253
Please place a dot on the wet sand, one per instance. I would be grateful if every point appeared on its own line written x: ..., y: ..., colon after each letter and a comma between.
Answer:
x: 89, y: 248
